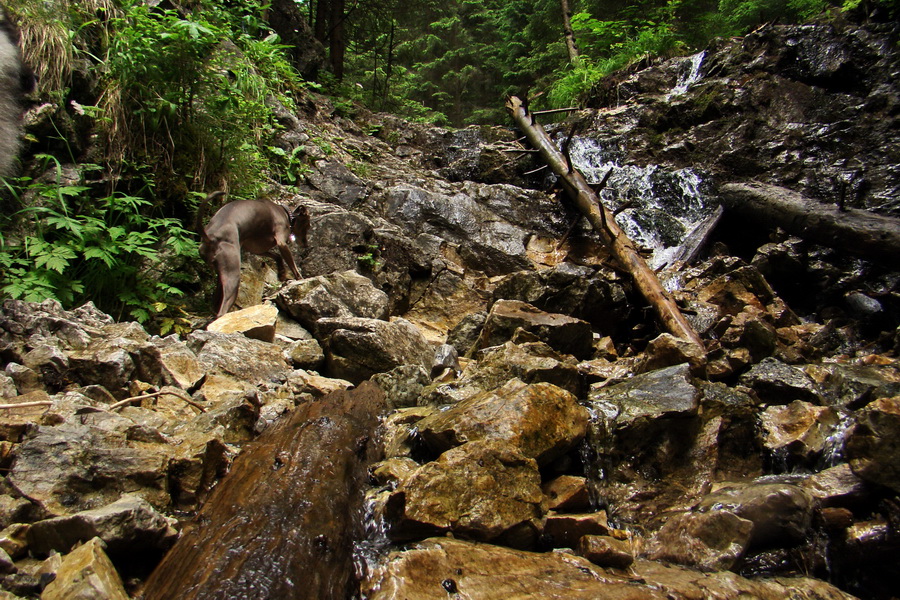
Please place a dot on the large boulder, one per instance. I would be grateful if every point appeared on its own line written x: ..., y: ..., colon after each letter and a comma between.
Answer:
x: 128, y: 525
x: 70, y: 467
x: 481, y: 490
x: 872, y: 447
x: 541, y: 420
x: 357, y: 348
x: 339, y: 295
x: 561, y: 332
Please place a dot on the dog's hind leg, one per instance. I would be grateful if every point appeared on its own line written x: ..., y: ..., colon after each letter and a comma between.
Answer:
x: 227, y: 263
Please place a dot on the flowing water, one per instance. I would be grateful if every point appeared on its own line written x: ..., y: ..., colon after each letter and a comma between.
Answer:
x: 690, y: 74
x: 660, y: 209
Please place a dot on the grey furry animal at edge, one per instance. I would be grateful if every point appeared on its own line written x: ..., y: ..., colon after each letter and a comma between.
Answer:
x: 12, y: 75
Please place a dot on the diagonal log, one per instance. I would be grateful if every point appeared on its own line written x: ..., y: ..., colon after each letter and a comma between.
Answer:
x: 622, y: 248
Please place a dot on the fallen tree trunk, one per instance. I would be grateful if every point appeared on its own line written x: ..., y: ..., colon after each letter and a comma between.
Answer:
x: 858, y: 231
x: 283, y: 522
x: 603, y: 221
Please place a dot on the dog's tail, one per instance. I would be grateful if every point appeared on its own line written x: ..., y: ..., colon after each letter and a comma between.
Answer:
x: 203, y: 209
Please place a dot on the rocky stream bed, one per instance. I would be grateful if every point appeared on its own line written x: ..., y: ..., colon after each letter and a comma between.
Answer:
x: 534, y: 434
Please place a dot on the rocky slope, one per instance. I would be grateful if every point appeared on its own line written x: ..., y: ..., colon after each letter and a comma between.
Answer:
x: 544, y: 439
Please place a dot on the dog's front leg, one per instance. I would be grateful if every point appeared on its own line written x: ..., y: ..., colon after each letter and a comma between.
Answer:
x: 288, y: 258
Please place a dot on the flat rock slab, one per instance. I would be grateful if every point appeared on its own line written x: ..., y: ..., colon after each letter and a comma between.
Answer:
x: 441, y: 568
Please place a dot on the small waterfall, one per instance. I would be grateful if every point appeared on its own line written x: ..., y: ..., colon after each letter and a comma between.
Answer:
x: 659, y: 209
x: 689, y: 75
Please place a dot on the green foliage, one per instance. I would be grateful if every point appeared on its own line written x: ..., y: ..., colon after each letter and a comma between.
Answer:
x: 179, y: 93
x: 84, y: 248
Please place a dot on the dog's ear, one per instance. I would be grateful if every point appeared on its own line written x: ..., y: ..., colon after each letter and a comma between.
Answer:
x: 301, y: 224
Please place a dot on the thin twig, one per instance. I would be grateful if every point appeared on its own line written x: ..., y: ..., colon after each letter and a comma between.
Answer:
x: 170, y: 392
x: 533, y: 171
x: 551, y: 111
x: 27, y: 404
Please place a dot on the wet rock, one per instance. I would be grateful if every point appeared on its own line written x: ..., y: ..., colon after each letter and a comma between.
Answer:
x: 69, y: 468
x: 777, y: 383
x: 486, y: 241
x: 339, y: 295
x: 432, y: 569
x: 256, y: 322
x: 445, y: 358
x: 710, y: 541
x: 402, y: 385
x: 562, y: 333
x: 565, y: 530
x: 6, y: 563
x: 533, y: 362
x: 798, y: 431
x: 358, y: 348
x: 567, y: 493
x: 465, y: 333
x: 667, y: 350
x: 854, y: 386
x: 128, y: 525
x: 480, y: 490
x: 665, y: 392
x: 86, y: 572
x: 781, y: 512
x: 606, y: 551
x: 837, y: 486
x: 872, y: 449
x: 568, y: 289
x: 540, y: 420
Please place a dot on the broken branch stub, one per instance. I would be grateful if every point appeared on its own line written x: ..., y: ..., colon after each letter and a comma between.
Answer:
x: 622, y: 248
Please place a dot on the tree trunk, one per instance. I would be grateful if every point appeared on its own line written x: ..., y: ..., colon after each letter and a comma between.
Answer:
x: 857, y: 231
x: 283, y: 522
x: 603, y: 221
x: 571, y: 47
x: 337, y: 44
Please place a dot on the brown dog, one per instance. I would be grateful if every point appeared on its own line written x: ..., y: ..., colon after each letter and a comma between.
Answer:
x: 256, y: 226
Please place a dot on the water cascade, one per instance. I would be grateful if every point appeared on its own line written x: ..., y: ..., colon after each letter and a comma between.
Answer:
x: 689, y: 75
x: 661, y: 210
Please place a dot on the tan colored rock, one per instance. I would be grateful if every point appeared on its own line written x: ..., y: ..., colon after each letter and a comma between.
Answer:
x: 709, y: 541
x: 86, y: 572
x: 565, y: 530
x: 567, y: 493
x: 13, y: 540
x: 606, y: 551
x: 542, y: 420
x: 256, y: 322
x: 561, y: 332
x: 442, y: 568
x: 479, y: 490
x: 667, y: 350
x: 872, y: 444
x: 799, y: 429
x: 180, y: 366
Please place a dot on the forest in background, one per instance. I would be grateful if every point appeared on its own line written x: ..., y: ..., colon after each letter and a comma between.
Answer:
x: 137, y: 108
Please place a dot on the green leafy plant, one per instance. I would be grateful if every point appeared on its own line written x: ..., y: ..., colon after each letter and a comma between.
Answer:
x: 80, y: 248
